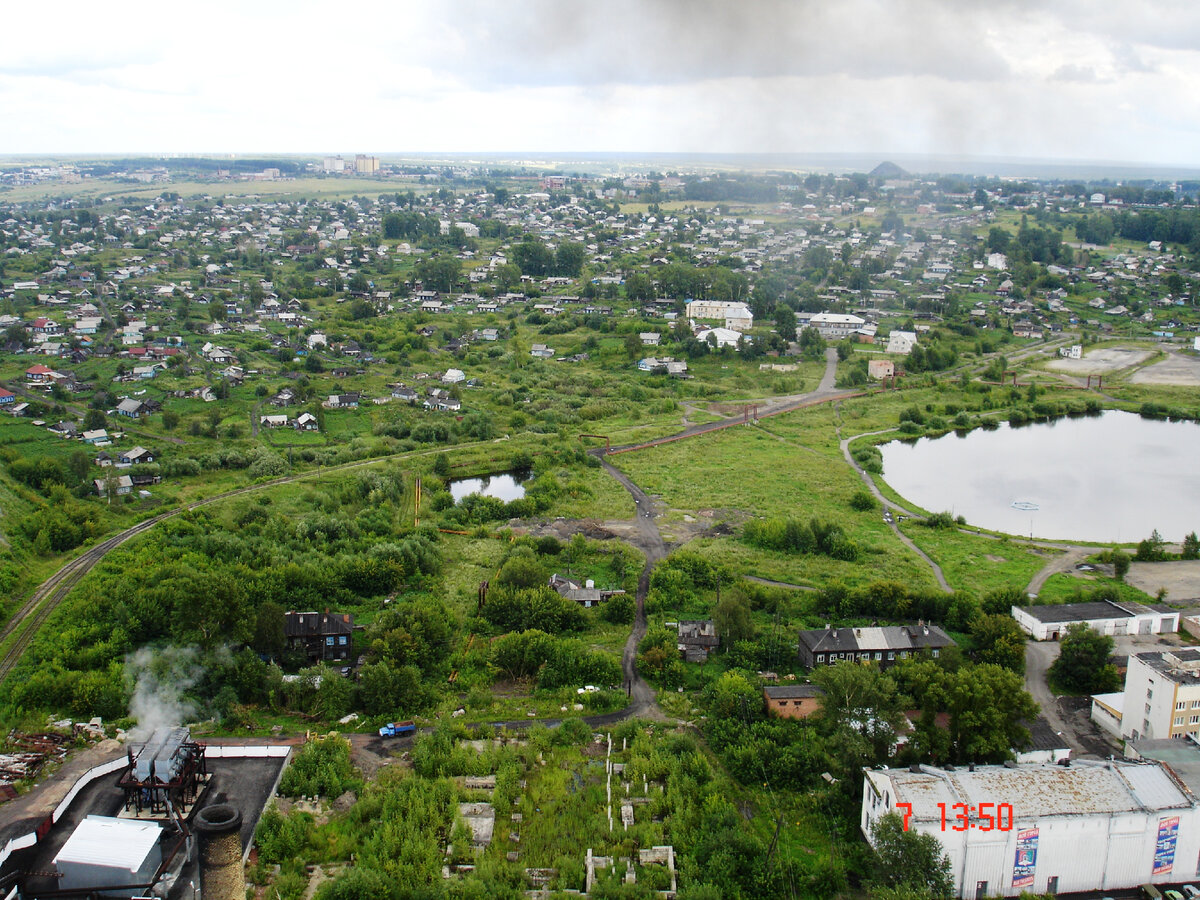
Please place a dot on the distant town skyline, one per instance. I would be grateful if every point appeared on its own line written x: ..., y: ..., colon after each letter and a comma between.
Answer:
x: 1066, y: 79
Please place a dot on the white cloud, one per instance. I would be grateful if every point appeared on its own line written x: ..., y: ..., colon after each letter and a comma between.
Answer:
x: 1057, y: 79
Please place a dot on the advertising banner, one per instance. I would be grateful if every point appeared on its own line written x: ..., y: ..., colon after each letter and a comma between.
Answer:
x: 1164, y: 849
x: 1026, y: 860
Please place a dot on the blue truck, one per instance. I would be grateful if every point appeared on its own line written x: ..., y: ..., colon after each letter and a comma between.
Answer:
x: 396, y: 729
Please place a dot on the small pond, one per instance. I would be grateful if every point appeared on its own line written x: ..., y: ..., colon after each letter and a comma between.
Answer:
x: 1108, y: 478
x: 504, y: 486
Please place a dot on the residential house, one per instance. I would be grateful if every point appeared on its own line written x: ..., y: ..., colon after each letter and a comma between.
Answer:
x: 403, y: 392
x: 324, y: 637
x: 349, y: 400
x: 278, y: 421
x: 454, y: 376
x: 720, y: 337
x: 650, y: 338
x: 880, y: 369
x: 697, y: 639
x: 285, y: 397
x: 39, y: 374
x: 883, y: 645
x: 587, y: 594
x: 541, y: 351
x: 135, y: 457
x: 901, y: 342
x: 7, y: 397
x: 793, y: 701
x: 307, y: 422
x: 45, y: 326
x: 123, y: 483
x: 133, y: 409
x: 97, y: 438
x: 442, y: 401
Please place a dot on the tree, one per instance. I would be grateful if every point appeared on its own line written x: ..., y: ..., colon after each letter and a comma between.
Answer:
x: 812, y: 345
x: 1191, y: 547
x: 94, y: 420
x: 910, y: 858
x: 1082, y: 665
x: 785, y: 322
x: 1120, y: 561
x: 170, y: 419
x: 731, y: 617
x: 862, y: 700
x: 998, y: 639
x: 269, y: 638
x: 568, y: 260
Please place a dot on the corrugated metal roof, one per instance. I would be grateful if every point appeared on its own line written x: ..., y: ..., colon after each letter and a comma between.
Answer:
x: 1035, y: 791
x: 115, y: 843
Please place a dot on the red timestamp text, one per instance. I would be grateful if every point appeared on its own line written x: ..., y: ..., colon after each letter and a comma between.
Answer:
x: 963, y: 816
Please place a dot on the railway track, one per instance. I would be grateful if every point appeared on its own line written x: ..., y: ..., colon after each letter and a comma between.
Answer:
x: 26, y: 621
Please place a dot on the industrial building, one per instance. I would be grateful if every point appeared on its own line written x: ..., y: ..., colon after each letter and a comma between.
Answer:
x: 1050, y: 622
x: 1161, y: 698
x: 165, y: 773
x: 164, y: 818
x: 1088, y: 826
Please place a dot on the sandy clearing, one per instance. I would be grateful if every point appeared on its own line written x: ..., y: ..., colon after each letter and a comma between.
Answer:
x: 1181, y: 578
x: 1101, y: 361
x: 1175, y: 369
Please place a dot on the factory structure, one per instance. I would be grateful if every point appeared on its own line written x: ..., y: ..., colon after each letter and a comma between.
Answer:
x: 169, y: 818
x: 1013, y: 828
x: 165, y: 773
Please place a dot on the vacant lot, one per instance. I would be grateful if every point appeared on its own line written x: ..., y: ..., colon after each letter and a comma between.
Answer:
x: 1175, y: 369
x: 1180, y: 578
x: 1101, y: 361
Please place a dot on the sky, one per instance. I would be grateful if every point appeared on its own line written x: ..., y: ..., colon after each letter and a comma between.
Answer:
x: 1033, y: 79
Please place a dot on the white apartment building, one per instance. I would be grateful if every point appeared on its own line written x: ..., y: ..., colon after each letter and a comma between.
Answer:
x: 736, y: 316
x: 1161, y: 698
x: 835, y: 326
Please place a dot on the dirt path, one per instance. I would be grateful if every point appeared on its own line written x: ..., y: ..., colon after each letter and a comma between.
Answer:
x: 889, y: 506
x: 648, y: 539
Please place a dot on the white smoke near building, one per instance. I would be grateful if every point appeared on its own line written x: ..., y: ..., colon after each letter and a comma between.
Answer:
x: 160, y: 679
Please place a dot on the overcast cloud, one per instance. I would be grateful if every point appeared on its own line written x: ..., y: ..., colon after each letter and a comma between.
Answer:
x: 1068, y: 79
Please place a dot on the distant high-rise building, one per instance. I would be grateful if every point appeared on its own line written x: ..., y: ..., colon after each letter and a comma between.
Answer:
x: 366, y: 165
x: 334, y: 164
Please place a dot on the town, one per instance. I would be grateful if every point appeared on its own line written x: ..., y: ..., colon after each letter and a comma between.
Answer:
x: 464, y: 529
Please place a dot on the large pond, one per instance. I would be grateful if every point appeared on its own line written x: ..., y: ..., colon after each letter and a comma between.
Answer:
x: 505, y: 486
x: 1108, y: 478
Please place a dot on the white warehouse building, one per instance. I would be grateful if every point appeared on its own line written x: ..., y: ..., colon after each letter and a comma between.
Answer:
x: 1091, y: 826
x: 1049, y: 622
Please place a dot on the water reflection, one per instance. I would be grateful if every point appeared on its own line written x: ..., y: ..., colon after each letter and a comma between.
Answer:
x: 1114, y: 477
x: 505, y: 486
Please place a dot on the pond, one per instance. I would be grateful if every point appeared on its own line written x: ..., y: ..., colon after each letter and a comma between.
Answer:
x: 1109, y: 478
x: 504, y: 486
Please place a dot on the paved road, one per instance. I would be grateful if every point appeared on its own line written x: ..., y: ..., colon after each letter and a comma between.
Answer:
x: 1068, y: 716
